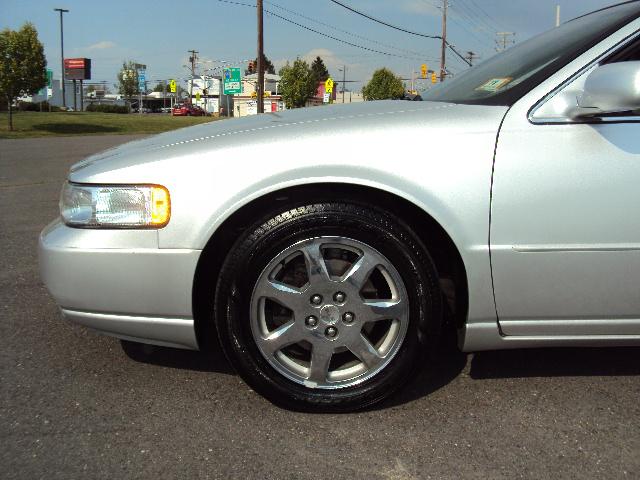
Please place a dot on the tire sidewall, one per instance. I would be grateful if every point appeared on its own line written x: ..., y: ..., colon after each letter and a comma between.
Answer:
x: 253, y: 253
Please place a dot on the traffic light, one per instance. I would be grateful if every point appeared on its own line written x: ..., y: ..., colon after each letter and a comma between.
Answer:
x: 423, y: 70
x: 252, y: 66
x: 434, y: 78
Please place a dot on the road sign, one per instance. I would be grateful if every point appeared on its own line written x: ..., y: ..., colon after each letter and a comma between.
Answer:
x: 232, y: 82
x: 45, y: 90
x: 142, y: 79
x: 326, y: 97
x: 77, y: 68
x: 328, y: 85
x: 172, y: 86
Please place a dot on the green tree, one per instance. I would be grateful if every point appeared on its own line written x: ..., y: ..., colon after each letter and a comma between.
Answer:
x: 22, y: 65
x: 128, y: 81
x: 383, y: 85
x: 268, y: 66
x: 297, y: 83
x: 320, y: 72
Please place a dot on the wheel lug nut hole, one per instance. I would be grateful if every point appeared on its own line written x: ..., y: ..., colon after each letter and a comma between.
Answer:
x: 316, y: 299
x: 348, y: 317
x: 339, y: 297
x: 331, y: 332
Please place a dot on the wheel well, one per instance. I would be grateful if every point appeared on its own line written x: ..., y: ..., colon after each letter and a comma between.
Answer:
x: 447, y: 259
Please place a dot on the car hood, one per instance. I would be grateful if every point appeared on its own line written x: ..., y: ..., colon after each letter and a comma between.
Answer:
x: 279, y: 127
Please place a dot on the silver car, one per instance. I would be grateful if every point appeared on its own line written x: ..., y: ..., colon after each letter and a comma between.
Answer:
x: 326, y: 249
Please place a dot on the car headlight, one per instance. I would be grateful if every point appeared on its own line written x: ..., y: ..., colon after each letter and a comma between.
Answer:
x: 115, y: 206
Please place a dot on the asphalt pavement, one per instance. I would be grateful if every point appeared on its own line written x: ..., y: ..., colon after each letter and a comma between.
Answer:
x: 78, y: 405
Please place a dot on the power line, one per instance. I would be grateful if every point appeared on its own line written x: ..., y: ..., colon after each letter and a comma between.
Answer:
x: 436, y: 37
x: 492, y: 20
x: 483, y: 40
x: 341, y: 30
x: 339, y: 39
x: 271, y: 13
x: 475, y: 18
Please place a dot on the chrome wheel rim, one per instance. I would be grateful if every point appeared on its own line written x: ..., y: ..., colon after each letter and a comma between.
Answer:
x: 329, y: 312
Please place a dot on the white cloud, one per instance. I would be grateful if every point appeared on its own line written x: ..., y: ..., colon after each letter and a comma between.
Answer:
x: 101, y: 45
x: 332, y: 62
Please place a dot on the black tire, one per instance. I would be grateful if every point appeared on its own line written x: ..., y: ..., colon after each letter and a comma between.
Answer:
x: 266, y: 239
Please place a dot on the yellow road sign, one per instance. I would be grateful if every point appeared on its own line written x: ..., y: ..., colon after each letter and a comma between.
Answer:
x: 172, y: 86
x: 328, y: 85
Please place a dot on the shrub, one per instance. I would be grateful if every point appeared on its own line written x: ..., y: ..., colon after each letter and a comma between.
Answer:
x: 107, y: 108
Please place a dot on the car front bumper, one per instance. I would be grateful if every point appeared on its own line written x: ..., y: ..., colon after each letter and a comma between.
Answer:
x: 118, y: 282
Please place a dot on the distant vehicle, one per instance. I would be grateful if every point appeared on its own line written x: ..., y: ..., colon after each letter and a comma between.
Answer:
x: 166, y: 110
x: 186, y: 109
x: 327, y: 248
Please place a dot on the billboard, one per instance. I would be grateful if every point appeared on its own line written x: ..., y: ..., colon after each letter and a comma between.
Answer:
x: 77, y: 68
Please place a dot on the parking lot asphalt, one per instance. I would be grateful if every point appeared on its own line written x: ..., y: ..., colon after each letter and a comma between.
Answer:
x: 78, y: 405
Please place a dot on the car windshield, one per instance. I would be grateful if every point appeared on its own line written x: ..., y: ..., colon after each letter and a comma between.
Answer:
x: 504, y: 78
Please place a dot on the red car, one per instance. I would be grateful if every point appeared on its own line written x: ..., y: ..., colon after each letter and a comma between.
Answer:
x: 186, y: 109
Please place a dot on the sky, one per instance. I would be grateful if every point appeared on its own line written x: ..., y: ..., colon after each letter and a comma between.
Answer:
x: 159, y: 33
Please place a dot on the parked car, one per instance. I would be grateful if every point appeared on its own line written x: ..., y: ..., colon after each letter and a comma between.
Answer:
x: 186, y: 109
x: 328, y: 273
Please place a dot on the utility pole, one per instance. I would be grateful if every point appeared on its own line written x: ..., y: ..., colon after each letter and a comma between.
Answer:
x: 260, y: 86
x: 62, y: 10
x: 443, y: 59
x: 344, y: 80
x: 504, y: 42
x: 557, y: 16
x: 471, y: 56
x: 193, y: 72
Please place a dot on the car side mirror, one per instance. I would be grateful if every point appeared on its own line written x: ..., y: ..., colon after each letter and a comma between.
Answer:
x: 611, y: 88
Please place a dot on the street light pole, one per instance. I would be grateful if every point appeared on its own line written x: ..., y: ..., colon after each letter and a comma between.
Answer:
x: 260, y: 89
x: 64, y: 99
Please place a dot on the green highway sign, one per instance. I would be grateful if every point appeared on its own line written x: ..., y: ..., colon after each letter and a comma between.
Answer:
x: 45, y: 90
x: 232, y: 81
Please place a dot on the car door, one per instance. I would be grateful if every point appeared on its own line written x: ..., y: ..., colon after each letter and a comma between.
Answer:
x: 565, y: 222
